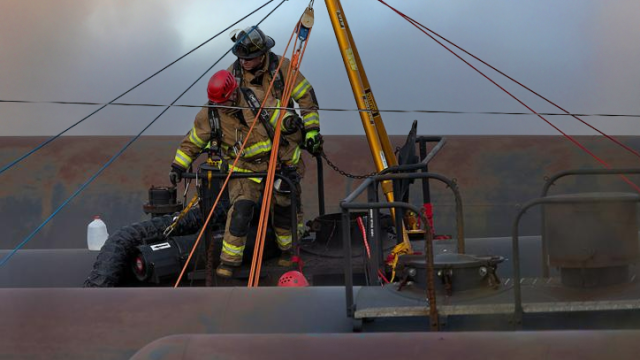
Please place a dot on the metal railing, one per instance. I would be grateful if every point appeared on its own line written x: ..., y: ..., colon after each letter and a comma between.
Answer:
x: 559, y: 199
x: 373, y: 205
x: 545, y: 191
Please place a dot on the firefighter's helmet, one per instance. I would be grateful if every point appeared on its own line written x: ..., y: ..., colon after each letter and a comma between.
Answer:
x: 251, y: 42
x: 293, y: 279
x: 221, y: 86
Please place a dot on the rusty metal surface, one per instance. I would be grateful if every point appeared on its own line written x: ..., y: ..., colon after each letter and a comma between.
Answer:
x: 599, y: 235
x: 115, y: 323
x: 46, y: 268
x: 494, y: 174
x: 561, y: 345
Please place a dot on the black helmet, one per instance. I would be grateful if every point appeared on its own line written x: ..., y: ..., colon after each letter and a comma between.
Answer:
x: 251, y: 43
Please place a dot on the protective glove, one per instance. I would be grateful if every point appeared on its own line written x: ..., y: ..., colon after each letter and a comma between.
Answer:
x: 313, y: 142
x: 175, y: 176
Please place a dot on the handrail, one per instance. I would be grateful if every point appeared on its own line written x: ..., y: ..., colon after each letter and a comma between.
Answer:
x: 429, y: 258
x: 348, y: 203
x: 424, y: 175
x: 422, y: 140
x: 559, y: 199
x: 551, y: 181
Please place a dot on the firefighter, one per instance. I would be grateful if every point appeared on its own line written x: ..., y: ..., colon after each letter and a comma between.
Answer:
x: 256, y: 67
x: 244, y: 193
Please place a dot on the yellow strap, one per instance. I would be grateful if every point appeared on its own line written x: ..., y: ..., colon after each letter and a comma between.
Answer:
x: 173, y: 225
x: 398, y: 250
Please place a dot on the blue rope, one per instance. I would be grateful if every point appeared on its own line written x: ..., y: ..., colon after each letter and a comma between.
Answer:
x: 10, y: 165
x: 83, y: 186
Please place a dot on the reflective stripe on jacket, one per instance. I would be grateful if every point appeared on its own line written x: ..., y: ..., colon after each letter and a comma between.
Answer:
x: 302, y: 93
x: 235, y: 130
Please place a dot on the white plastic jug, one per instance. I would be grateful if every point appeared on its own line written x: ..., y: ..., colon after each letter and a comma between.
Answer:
x: 96, y: 234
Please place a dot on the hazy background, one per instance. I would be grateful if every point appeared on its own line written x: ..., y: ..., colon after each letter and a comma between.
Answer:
x: 583, y: 54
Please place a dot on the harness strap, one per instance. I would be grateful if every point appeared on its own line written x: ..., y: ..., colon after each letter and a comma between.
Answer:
x: 278, y: 82
x: 254, y: 103
x: 216, y: 129
x: 237, y: 72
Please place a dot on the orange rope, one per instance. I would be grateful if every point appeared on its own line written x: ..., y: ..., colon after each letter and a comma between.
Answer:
x: 256, y: 265
x: 226, y: 180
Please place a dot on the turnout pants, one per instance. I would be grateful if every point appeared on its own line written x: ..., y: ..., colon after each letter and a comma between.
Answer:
x: 244, y: 195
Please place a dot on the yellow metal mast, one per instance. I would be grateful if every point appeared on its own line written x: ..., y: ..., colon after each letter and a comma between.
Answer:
x: 374, y: 129
x: 379, y: 144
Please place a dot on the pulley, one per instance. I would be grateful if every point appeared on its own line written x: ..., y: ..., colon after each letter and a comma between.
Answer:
x: 306, y: 22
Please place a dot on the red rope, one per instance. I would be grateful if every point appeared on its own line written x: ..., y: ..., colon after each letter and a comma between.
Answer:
x: 366, y: 246
x: 635, y: 153
x: 364, y: 236
x: 568, y: 137
x: 384, y: 278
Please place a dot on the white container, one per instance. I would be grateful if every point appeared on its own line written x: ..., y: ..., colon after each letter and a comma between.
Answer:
x: 96, y: 234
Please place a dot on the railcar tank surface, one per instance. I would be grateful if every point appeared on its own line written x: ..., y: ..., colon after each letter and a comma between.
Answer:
x: 449, y: 247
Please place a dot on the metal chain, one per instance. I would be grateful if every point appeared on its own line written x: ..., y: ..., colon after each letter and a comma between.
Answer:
x: 344, y: 173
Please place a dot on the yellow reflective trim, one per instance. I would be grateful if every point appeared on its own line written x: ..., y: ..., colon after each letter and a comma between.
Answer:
x: 257, y: 148
x: 295, y: 158
x: 311, y: 119
x: 284, y: 240
x: 300, y: 90
x: 232, y: 249
x: 195, y: 139
x: 237, y: 169
x: 182, y: 159
x: 276, y: 113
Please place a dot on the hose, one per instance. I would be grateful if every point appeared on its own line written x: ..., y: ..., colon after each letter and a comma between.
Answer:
x: 111, y: 265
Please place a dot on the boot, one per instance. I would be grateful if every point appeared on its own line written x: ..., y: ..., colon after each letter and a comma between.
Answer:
x: 285, y: 258
x: 225, y: 271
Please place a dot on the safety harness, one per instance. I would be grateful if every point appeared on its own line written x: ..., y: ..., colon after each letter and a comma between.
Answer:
x: 216, y: 129
x: 276, y: 75
x: 278, y: 82
x: 254, y: 104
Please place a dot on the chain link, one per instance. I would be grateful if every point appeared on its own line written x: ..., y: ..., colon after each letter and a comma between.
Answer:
x: 344, y: 173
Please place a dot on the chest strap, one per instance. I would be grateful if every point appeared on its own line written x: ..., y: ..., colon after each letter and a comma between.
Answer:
x: 278, y: 83
x: 254, y: 104
x: 216, y: 129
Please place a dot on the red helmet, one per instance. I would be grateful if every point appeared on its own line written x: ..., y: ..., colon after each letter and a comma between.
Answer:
x: 293, y: 279
x: 221, y: 86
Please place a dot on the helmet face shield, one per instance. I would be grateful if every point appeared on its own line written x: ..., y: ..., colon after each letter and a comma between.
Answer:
x: 251, y: 43
x: 246, y: 52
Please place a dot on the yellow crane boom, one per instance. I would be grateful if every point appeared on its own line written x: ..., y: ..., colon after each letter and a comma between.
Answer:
x: 374, y: 129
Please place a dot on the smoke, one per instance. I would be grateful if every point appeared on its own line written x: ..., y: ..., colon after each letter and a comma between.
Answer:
x: 582, y: 57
